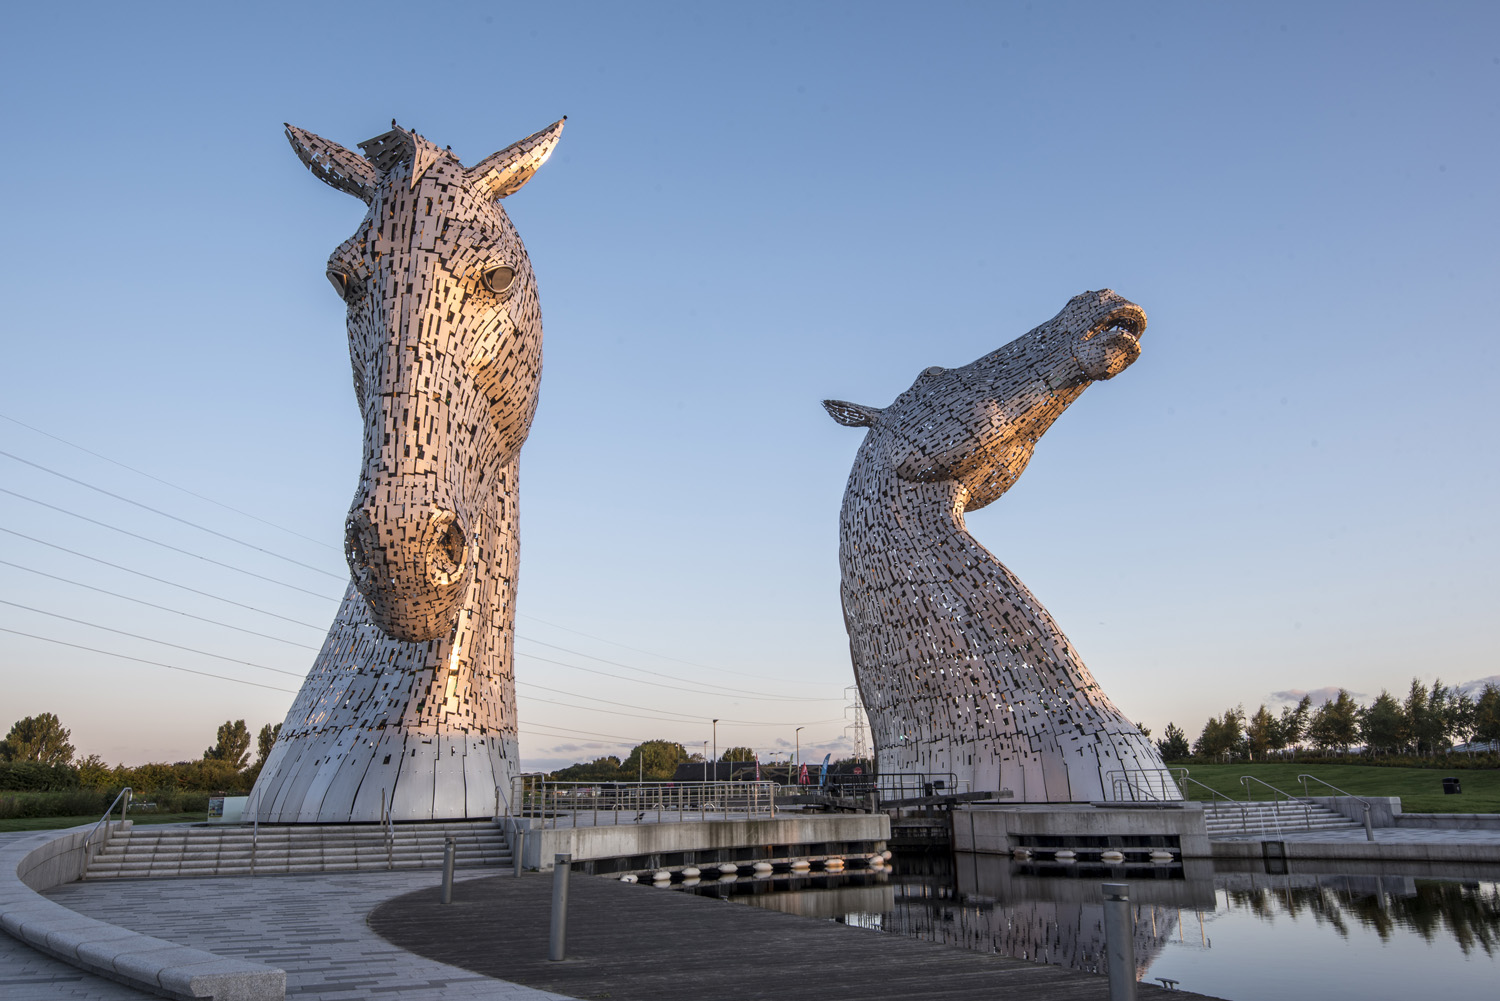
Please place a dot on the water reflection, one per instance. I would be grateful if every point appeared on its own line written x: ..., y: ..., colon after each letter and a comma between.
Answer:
x: 1242, y: 933
x: 1467, y: 912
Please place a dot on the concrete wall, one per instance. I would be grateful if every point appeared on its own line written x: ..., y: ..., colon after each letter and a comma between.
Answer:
x: 699, y: 836
x: 1451, y: 821
x: 994, y: 829
x: 47, y: 859
x: 1384, y: 810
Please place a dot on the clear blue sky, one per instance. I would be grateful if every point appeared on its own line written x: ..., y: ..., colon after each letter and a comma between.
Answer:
x: 754, y: 208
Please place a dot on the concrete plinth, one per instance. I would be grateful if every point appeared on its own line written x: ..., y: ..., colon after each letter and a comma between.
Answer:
x: 999, y: 830
x: 824, y: 834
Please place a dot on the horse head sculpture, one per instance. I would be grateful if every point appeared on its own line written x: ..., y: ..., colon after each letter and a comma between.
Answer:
x: 412, y: 696
x: 961, y: 669
x: 445, y: 338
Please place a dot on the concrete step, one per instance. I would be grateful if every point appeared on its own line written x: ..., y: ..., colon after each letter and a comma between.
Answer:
x: 1254, y: 818
x: 206, y: 851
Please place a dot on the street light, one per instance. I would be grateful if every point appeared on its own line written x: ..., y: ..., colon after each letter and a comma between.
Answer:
x: 716, y: 750
x: 797, y: 733
x: 705, y: 761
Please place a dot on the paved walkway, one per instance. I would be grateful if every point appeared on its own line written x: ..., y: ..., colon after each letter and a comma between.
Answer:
x: 631, y: 942
x: 27, y: 975
x: 312, y: 926
x: 1383, y: 835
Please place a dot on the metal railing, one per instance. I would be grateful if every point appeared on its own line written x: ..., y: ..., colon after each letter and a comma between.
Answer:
x: 1245, y: 781
x: 889, y: 786
x: 122, y: 798
x: 573, y: 804
x: 1143, y: 785
x: 1369, y: 825
x: 388, y: 828
x: 1182, y: 781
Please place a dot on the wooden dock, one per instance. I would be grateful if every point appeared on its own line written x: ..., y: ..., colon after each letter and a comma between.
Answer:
x: 632, y: 942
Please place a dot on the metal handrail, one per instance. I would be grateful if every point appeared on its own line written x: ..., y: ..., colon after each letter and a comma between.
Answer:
x: 1117, y: 776
x: 1245, y: 781
x: 1369, y: 826
x: 124, y: 794
x: 550, y: 801
x: 1244, y: 816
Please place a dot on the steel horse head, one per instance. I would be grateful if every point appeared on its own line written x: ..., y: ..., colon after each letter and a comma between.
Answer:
x: 408, y: 712
x: 445, y: 338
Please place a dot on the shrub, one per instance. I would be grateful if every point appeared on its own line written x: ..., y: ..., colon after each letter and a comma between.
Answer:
x: 33, y: 776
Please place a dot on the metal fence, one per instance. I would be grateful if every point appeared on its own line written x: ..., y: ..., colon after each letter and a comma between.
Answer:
x: 596, y: 804
x: 1143, y: 785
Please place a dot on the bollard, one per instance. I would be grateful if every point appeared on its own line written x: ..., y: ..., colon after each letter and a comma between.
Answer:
x: 557, y: 945
x: 1119, y: 941
x: 1369, y: 827
x: 450, y: 848
x: 519, y: 850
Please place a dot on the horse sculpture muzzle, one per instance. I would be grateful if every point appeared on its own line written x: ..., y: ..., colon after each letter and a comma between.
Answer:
x: 412, y: 568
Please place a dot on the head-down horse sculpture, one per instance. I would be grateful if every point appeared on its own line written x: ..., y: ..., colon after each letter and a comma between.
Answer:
x: 409, y: 710
x: 962, y: 671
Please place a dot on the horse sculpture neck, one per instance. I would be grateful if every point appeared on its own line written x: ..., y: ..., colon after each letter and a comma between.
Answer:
x: 961, y: 669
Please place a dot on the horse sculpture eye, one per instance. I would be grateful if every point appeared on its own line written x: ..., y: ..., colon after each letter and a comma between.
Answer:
x: 499, y: 279
x: 339, y: 281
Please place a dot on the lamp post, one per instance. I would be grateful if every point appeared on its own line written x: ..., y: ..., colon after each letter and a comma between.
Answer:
x: 797, y: 733
x: 705, y: 761
x: 716, y: 750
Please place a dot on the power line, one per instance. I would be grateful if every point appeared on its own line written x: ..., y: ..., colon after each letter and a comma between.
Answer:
x: 169, y: 483
x: 648, y: 653
x: 148, y: 639
x: 658, y: 684
x: 659, y: 674
x: 686, y: 717
x: 142, y: 660
x: 154, y: 542
x: 164, y: 608
x: 663, y: 719
x: 159, y: 580
x: 320, y: 542
x: 181, y: 521
x: 739, y: 693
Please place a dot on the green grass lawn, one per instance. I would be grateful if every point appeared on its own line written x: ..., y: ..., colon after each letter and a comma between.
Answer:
x: 55, y: 823
x: 1420, y: 789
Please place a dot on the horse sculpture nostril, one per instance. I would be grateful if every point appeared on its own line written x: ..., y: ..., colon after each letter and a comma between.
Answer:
x: 357, y: 530
x: 453, y: 545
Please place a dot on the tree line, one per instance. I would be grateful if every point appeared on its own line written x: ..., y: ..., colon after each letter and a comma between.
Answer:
x: 38, y: 755
x: 1429, y: 721
x: 650, y: 761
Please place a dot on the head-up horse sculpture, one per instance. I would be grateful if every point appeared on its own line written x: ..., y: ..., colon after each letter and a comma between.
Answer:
x: 961, y: 670
x: 410, y: 705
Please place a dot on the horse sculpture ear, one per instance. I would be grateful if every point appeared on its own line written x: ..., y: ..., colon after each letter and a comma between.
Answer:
x: 334, y: 165
x: 503, y: 173
x: 852, y: 415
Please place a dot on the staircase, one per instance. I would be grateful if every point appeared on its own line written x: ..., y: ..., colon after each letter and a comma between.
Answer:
x: 239, y: 851
x: 1238, y: 819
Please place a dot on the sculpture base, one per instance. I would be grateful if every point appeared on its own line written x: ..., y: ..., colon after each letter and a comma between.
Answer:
x: 350, y: 777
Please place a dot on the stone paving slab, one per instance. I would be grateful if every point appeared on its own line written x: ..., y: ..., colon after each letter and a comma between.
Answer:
x: 28, y: 975
x: 312, y: 926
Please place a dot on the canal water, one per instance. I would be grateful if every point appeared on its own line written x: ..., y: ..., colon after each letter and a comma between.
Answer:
x: 1243, y: 934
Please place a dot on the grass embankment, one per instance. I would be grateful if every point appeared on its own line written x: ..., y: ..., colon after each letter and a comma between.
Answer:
x: 58, y: 823
x: 1420, y: 789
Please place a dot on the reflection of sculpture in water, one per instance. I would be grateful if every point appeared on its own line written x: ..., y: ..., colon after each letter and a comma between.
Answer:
x: 961, y: 669
x: 410, y: 705
x: 1059, y: 921
x: 1042, y: 931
